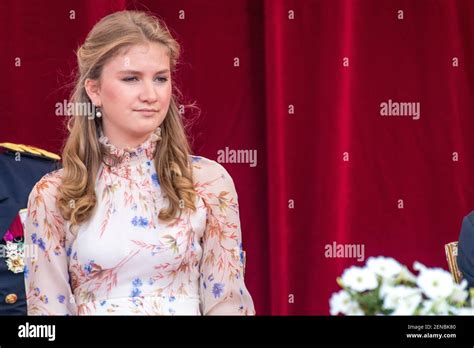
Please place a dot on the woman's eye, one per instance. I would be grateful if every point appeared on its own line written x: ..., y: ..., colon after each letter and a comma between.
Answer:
x: 130, y: 78
x: 133, y: 78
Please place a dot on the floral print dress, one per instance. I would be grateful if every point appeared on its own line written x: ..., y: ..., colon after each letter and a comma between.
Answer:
x: 124, y: 260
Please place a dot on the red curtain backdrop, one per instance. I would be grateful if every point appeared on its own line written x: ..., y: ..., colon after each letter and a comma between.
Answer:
x: 306, y: 94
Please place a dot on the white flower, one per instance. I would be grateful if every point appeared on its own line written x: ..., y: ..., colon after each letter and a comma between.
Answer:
x: 384, y: 289
x: 436, y: 283
x: 354, y: 309
x: 340, y: 302
x: 427, y: 308
x: 385, y: 267
x: 403, y: 299
x: 431, y: 307
x: 359, y: 279
x: 465, y: 311
x: 418, y: 266
x: 387, y: 285
x: 459, y: 294
x: 15, y: 264
x: 406, y: 275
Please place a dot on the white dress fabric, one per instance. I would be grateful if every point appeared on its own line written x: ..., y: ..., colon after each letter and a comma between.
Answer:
x: 124, y: 260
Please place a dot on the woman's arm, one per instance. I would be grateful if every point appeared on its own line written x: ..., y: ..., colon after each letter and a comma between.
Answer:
x: 48, y: 290
x: 222, y: 287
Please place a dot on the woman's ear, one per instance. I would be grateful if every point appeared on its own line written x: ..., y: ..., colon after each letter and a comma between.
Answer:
x: 93, y: 91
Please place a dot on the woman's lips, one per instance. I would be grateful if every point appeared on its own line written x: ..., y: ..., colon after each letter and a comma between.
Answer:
x: 147, y: 112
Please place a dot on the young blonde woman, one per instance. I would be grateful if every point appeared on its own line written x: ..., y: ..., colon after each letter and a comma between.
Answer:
x: 132, y: 223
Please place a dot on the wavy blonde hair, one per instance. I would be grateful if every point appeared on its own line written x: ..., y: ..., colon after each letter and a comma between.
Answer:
x: 83, y: 153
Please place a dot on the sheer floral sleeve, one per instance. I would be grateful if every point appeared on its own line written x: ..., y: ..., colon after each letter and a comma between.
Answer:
x: 47, y: 284
x: 222, y: 287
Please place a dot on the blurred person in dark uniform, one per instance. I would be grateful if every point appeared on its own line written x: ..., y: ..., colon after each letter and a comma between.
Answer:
x: 21, y: 167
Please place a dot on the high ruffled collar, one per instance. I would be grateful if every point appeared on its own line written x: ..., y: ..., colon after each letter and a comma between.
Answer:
x: 115, y: 157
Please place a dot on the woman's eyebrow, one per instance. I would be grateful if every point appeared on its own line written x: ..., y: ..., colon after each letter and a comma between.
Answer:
x: 135, y: 72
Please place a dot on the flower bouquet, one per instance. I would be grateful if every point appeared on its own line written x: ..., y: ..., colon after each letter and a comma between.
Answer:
x: 385, y: 287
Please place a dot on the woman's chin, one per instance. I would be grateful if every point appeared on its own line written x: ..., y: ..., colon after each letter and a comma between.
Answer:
x: 143, y: 128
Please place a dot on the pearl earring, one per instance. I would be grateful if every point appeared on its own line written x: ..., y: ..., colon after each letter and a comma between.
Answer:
x: 98, y: 113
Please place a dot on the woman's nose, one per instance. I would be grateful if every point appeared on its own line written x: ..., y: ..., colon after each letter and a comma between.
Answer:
x: 148, y: 92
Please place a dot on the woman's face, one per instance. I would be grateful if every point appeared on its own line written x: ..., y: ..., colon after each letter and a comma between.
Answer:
x: 134, y: 93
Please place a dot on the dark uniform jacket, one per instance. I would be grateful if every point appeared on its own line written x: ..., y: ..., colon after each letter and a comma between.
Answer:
x: 20, y: 168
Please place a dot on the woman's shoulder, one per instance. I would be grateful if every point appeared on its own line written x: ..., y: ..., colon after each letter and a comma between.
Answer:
x: 44, y: 222
x: 206, y: 168
x: 211, y: 175
x: 47, y: 186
